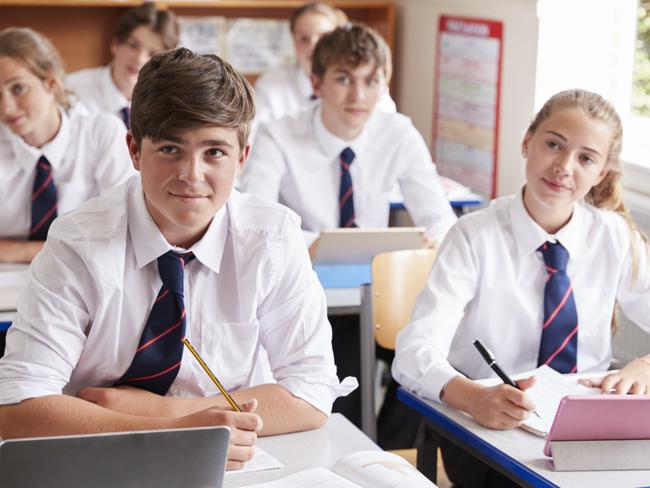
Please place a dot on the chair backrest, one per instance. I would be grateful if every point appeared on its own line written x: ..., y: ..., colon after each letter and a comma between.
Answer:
x: 397, y: 278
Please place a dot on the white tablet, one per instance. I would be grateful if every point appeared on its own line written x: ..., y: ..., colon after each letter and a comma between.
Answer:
x: 360, y: 246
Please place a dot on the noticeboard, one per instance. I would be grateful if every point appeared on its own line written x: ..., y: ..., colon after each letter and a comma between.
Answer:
x: 466, y: 101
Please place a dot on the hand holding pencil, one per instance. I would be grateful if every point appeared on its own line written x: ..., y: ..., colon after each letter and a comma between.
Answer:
x: 243, y: 423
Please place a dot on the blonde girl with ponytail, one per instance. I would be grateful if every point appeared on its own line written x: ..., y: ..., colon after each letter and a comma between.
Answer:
x: 536, y: 277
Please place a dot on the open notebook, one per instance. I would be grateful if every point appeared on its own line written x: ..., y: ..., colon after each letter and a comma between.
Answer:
x: 550, y: 387
x: 361, y: 469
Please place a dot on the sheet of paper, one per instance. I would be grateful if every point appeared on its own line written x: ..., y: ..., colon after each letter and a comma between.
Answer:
x: 257, y: 45
x: 14, y: 275
x: 310, y: 478
x: 261, y: 461
x: 203, y: 35
x: 8, y: 298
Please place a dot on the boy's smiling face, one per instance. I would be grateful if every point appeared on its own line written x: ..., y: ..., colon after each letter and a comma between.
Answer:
x: 349, y: 95
x: 187, y: 178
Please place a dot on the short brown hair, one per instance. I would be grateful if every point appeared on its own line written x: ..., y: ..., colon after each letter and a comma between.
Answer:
x: 352, y: 44
x: 38, y: 54
x: 162, y: 22
x: 179, y: 90
x: 336, y: 15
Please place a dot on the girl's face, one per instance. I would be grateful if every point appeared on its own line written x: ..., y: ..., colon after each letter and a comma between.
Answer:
x: 28, y: 105
x: 307, y: 30
x: 567, y: 156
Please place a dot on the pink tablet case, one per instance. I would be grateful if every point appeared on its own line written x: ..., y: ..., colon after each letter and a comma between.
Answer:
x: 600, y: 417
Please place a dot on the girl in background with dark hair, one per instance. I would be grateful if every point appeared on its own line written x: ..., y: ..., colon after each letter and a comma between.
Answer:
x: 140, y: 33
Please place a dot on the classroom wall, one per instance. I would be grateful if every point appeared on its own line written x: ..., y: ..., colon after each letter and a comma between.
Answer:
x: 416, y: 36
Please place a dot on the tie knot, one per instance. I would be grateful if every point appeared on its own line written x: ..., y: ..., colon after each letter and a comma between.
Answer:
x: 347, y: 155
x: 44, y: 164
x: 555, y: 255
x: 171, y: 267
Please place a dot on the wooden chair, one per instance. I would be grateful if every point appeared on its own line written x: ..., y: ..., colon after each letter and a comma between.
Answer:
x: 386, y: 305
x: 397, y: 279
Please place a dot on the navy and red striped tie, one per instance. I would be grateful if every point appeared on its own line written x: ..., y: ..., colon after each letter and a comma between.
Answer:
x: 158, y: 356
x: 44, y: 201
x: 559, y: 345
x: 346, y: 197
x: 125, y: 115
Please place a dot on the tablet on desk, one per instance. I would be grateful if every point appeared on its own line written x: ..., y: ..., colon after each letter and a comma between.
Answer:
x: 359, y: 246
x: 600, y: 418
x: 147, y: 459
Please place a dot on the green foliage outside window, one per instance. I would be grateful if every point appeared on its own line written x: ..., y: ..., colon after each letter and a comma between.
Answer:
x: 641, y: 83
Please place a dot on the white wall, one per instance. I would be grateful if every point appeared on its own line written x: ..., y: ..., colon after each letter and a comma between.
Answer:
x: 415, y: 52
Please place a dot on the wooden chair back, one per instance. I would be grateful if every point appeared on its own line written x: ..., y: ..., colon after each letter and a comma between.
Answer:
x: 397, y: 278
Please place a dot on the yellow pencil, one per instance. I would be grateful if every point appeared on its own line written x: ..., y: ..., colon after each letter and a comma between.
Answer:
x: 205, y: 367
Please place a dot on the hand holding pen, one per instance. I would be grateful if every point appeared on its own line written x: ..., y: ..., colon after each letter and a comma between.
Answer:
x: 491, y: 361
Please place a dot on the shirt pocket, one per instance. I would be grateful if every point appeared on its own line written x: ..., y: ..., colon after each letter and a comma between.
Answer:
x: 229, y: 348
x: 594, y: 346
x: 374, y: 209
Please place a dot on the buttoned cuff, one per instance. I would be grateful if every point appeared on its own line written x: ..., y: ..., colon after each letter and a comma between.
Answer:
x: 436, y: 379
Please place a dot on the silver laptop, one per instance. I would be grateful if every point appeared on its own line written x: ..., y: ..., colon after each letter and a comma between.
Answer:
x: 187, y: 458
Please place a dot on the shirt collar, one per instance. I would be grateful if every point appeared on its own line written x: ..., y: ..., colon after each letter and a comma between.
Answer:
x: 149, y: 243
x: 303, y: 83
x: 116, y: 98
x: 54, y: 151
x: 330, y: 144
x: 529, y: 235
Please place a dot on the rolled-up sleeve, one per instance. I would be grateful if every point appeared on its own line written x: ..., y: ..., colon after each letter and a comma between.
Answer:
x: 422, y: 348
x: 47, y: 336
x: 295, y: 331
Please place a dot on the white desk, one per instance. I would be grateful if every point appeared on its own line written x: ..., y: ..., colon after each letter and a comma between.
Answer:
x: 303, y: 450
x: 515, y: 453
x: 12, y: 278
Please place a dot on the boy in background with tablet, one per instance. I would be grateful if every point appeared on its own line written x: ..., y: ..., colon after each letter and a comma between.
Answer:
x: 336, y: 163
x: 173, y: 253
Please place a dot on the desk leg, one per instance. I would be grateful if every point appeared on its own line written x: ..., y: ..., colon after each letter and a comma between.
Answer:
x: 427, y: 456
x: 367, y: 332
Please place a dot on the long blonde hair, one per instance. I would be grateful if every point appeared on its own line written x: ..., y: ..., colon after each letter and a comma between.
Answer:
x: 38, y: 54
x: 607, y: 194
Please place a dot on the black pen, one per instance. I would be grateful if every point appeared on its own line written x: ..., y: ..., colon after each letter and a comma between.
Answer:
x: 492, y: 363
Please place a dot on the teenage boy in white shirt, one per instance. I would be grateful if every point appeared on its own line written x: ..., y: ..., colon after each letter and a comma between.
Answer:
x: 297, y: 160
x: 139, y: 34
x: 336, y: 164
x: 174, y: 252
x: 288, y: 89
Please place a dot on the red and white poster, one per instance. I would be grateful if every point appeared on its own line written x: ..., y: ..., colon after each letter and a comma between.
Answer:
x: 466, y: 101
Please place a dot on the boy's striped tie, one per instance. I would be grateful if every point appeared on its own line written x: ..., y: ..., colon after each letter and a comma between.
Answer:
x: 158, y: 356
x: 125, y: 115
x: 559, y: 345
x: 346, y: 200
x: 44, y: 201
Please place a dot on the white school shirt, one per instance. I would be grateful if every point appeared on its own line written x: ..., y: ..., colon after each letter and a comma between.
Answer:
x: 288, y: 90
x: 92, y: 288
x: 97, y: 90
x: 488, y: 283
x: 88, y: 156
x: 296, y: 161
